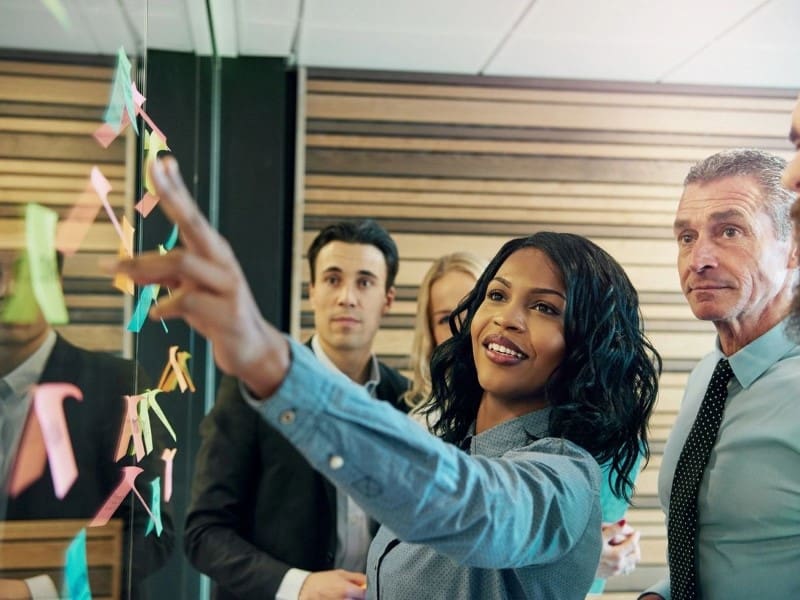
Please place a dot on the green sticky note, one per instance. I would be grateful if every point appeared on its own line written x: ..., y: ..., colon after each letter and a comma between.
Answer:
x: 40, y: 235
x: 59, y: 12
x: 22, y: 306
x: 144, y: 424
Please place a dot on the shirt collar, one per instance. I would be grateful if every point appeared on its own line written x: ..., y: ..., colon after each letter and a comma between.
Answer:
x: 30, y: 371
x: 374, y: 371
x: 752, y: 361
x: 511, y: 434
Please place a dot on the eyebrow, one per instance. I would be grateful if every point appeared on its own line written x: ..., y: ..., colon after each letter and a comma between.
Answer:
x: 723, y: 215
x: 536, y: 290
x: 360, y: 272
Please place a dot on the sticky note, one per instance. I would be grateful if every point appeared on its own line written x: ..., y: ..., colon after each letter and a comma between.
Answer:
x: 146, y: 205
x: 172, y: 239
x: 146, y: 296
x: 125, y: 486
x: 40, y: 231
x: 156, y: 142
x: 48, y: 402
x: 121, y: 281
x: 155, y: 508
x: 176, y: 372
x: 31, y: 458
x: 168, y: 456
x: 76, y: 569
x: 59, y: 12
x: 121, y: 98
x: 130, y: 431
x: 22, y: 306
x: 71, y: 232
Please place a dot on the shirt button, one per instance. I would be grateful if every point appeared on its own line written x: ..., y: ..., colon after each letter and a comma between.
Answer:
x: 335, y: 462
x: 287, y: 417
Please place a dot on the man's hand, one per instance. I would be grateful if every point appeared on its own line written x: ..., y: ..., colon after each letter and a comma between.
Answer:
x: 334, y: 585
x: 621, y: 552
x: 209, y: 291
x: 14, y: 589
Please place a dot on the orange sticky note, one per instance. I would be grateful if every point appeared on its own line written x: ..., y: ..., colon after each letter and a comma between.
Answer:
x: 71, y: 232
x: 31, y: 458
x: 130, y: 430
x: 122, y: 282
x: 176, y: 372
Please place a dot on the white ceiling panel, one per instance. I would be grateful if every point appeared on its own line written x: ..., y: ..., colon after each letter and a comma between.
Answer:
x: 618, y: 39
x: 764, y: 50
x: 110, y: 27
x: 393, y: 50
x: 266, y: 28
x: 454, y: 36
x: 28, y: 25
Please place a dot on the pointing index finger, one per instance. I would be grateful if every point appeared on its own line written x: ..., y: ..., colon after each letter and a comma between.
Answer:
x: 177, y: 203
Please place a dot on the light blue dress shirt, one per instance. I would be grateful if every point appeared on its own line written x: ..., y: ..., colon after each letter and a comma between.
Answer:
x: 749, y: 498
x: 520, y: 518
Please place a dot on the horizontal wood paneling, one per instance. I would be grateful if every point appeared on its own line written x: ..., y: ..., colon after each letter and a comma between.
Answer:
x: 48, y: 113
x: 466, y: 163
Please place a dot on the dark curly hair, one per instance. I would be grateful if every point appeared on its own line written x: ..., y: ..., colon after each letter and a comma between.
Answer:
x: 604, y: 389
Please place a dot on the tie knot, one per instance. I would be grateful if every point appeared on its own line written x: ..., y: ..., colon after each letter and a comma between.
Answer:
x: 722, y: 372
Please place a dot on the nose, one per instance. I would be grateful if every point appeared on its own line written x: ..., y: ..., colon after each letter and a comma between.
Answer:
x: 510, y: 316
x: 347, y: 295
x: 702, y: 255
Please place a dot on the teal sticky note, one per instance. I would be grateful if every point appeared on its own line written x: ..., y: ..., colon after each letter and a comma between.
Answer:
x: 121, y: 97
x: 146, y: 297
x: 172, y: 239
x: 155, y: 509
x: 76, y: 569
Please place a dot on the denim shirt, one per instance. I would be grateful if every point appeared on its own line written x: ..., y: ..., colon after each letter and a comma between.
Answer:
x: 519, y: 517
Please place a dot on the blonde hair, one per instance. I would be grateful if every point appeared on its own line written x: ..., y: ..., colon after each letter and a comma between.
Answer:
x: 422, y: 347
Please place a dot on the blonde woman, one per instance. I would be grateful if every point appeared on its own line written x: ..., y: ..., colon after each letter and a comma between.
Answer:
x: 448, y: 280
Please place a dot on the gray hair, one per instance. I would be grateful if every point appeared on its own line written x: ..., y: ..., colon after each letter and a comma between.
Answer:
x: 764, y: 167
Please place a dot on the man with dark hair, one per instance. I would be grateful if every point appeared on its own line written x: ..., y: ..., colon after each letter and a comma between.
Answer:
x: 32, y: 353
x: 729, y: 481
x: 263, y: 523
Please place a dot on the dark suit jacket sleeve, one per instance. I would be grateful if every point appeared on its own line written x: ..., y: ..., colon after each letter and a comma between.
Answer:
x: 223, y: 492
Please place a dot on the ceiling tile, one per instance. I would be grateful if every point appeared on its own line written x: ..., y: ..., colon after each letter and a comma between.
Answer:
x: 761, y: 51
x: 29, y: 25
x: 266, y: 38
x: 274, y: 10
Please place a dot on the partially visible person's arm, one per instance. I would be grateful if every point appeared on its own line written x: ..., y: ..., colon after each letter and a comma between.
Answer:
x: 223, y: 492
x: 40, y: 587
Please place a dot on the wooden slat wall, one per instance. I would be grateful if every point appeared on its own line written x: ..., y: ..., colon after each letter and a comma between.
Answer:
x: 451, y: 164
x: 48, y: 112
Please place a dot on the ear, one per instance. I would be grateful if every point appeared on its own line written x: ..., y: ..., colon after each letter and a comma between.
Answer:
x: 390, y: 296
x: 794, y: 259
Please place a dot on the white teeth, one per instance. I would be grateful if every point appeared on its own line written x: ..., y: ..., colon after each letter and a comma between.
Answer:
x: 503, y: 350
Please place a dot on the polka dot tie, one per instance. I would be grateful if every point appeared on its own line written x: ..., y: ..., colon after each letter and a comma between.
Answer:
x: 682, y: 520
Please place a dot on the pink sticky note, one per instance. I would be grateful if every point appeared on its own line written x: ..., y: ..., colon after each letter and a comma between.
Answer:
x: 129, y: 475
x: 102, y: 187
x: 138, y: 100
x: 48, y: 402
x: 31, y: 458
x: 145, y: 206
x: 130, y: 429
x: 71, y: 232
x: 167, y: 456
x: 105, y: 134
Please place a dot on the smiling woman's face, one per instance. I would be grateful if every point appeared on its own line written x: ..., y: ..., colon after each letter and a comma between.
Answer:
x: 518, y: 330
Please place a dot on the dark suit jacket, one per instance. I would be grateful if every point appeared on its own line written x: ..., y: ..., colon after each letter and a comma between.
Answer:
x: 94, y: 426
x: 258, y: 507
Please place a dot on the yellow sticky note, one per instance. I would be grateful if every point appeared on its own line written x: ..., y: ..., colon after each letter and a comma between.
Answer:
x: 154, y: 144
x: 40, y: 235
x: 122, y: 282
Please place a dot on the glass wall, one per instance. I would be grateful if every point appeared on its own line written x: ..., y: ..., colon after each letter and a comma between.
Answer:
x: 99, y: 405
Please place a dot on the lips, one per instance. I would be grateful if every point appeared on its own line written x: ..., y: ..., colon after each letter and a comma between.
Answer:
x: 501, y: 349
x: 345, y: 320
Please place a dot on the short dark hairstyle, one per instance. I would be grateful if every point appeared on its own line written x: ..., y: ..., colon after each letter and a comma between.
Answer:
x: 364, y: 231
x: 605, y: 388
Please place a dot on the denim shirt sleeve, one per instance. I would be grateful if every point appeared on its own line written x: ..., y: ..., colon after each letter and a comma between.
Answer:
x: 528, y: 507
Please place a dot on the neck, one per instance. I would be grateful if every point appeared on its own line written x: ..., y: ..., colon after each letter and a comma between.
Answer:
x: 493, y: 411
x: 355, y: 363
x: 736, y: 334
